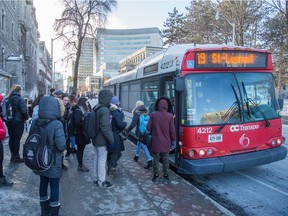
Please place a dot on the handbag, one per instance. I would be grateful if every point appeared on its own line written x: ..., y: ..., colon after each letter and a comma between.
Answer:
x: 146, y: 138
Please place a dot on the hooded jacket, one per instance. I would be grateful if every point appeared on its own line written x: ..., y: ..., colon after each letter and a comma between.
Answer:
x: 141, y: 110
x: 105, y: 135
x: 49, y: 110
x: 20, y: 112
x: 118, y: 124
x: 161, y: 125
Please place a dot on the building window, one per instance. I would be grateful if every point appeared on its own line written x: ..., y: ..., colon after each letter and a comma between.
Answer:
x: 3, y: 20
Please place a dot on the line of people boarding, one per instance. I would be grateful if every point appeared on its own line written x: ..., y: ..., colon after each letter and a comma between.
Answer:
x: 108, y: 144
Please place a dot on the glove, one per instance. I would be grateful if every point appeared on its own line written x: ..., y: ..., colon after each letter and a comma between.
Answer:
x: 173, y: 145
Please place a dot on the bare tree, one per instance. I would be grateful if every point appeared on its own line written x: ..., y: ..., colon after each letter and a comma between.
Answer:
x: 79, y: 19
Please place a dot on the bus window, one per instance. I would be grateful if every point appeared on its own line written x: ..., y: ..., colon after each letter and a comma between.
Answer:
x: 124, y: 97
x: 169, y: 91
x: 149, y: 94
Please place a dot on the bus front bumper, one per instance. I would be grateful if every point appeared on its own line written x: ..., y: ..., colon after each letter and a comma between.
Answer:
x: 231, y: 162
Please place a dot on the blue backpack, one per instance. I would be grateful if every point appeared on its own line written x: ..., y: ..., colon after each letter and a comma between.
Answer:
x: 143, y: 121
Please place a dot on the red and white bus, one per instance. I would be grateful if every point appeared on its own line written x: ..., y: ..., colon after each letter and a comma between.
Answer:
x: 225, y: 104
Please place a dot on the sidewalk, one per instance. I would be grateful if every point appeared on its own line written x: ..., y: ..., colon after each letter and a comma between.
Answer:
x: 133, y: 192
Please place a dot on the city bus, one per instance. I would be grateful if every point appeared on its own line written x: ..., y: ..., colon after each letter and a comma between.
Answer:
x: 224, y: 102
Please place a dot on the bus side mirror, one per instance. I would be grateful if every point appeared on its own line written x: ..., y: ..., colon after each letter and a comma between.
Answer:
x: 179, y: 83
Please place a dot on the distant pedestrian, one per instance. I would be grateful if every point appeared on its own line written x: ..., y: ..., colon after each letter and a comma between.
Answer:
x: 49, y: 110
x: 73, y: 100
x: 78, y: 111
x: 161, y: 125
x: 118, y: 125
x: 3, y: 180
x: 16, y: 125
x: 140, y: 110
x: 103, y: 138
x: 65, y: 99
x: 92, y: 101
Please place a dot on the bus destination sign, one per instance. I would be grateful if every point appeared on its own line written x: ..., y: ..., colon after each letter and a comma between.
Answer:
x: 230, y: 59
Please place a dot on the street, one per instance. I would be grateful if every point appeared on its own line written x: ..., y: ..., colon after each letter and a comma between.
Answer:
x: 261, y: 190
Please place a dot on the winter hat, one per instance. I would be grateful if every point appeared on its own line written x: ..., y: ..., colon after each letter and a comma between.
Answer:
x: 139, y: 103
x: 58, y: 93
x: 115, y: 100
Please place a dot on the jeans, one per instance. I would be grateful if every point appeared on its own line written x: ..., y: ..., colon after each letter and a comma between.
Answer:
x: 145, y: 149
x: 54, y: 190
x: 73, y: 141
x: 15, y: 131
x: 99, y: 168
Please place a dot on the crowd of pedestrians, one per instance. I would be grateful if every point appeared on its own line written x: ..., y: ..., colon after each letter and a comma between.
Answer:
x: 58, y: 109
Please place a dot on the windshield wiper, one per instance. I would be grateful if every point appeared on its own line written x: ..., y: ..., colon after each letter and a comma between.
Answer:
x: 255, y: 105
x: 227, y: 116
x: 246, y: 99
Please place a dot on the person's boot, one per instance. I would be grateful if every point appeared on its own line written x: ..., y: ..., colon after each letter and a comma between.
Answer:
x: 83, y: 168
x: 64, y: 168
x: 18, y: 159
x: 149, y: 164
x: 68, y: 152
x: 54, y: 210
x: 136, y: 158
x: 4, y: 182
x: 45, y: 208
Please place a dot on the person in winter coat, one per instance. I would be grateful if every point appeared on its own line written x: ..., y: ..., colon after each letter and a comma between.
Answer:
x: 103, y: 138
x: 139, y: 109
x: 49, y: 113
x: 35, y: 106
x: 16, y: 125
x: 161, y: 125
x: 78, y: 112
x: 118, y: 125
x: 3, y: 180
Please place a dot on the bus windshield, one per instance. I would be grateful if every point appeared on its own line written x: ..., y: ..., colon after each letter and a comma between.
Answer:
x: 225, y: 98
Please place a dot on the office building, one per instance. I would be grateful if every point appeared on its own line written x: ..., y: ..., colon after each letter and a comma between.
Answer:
x: 114, y: 45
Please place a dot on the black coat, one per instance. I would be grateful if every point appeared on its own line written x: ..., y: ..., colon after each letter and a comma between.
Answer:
x: 118, y: 125
x: 79, y: 136
x: 20, y: 112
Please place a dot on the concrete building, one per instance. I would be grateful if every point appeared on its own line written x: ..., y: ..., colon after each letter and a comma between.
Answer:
x: 93, y: 84
x: 44, y: 69
x: 87, y: 62
x: 114, y: 45
x: 131, y: 61
x: 107, y: 71
x: 19, y: 40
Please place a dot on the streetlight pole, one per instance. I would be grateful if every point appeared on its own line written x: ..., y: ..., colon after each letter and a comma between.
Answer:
x: 52, y: 63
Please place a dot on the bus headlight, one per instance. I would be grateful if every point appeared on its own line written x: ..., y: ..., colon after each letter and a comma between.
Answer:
x: 191, y: 153
x: 279, y: 141
x: 273, y: 142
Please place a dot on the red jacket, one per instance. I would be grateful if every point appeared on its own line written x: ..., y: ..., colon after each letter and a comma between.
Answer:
x: 2, y: 130
x: 161, y: 125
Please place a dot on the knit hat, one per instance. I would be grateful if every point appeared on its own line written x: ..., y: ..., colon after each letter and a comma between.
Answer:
x: 58, y: 93
x: 115, y: 100
x: 139, y: 103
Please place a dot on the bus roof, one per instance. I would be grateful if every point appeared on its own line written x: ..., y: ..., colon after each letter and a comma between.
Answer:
x: 169, y: 60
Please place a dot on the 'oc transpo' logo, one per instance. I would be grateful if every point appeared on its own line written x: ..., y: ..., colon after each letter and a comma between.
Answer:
x: 244, y: 141
x: 234, y: 128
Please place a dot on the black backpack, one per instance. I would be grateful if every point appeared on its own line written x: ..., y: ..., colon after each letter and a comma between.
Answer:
x: 90, y: 124
x: 7, y: 109
x: 37, y: 152
x: 71, y: 129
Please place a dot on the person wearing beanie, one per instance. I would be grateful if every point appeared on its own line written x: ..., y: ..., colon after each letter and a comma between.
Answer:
x: 139, y: 110
x: 118, y: 125
x: 3, y: 181
x: 103, y: 138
